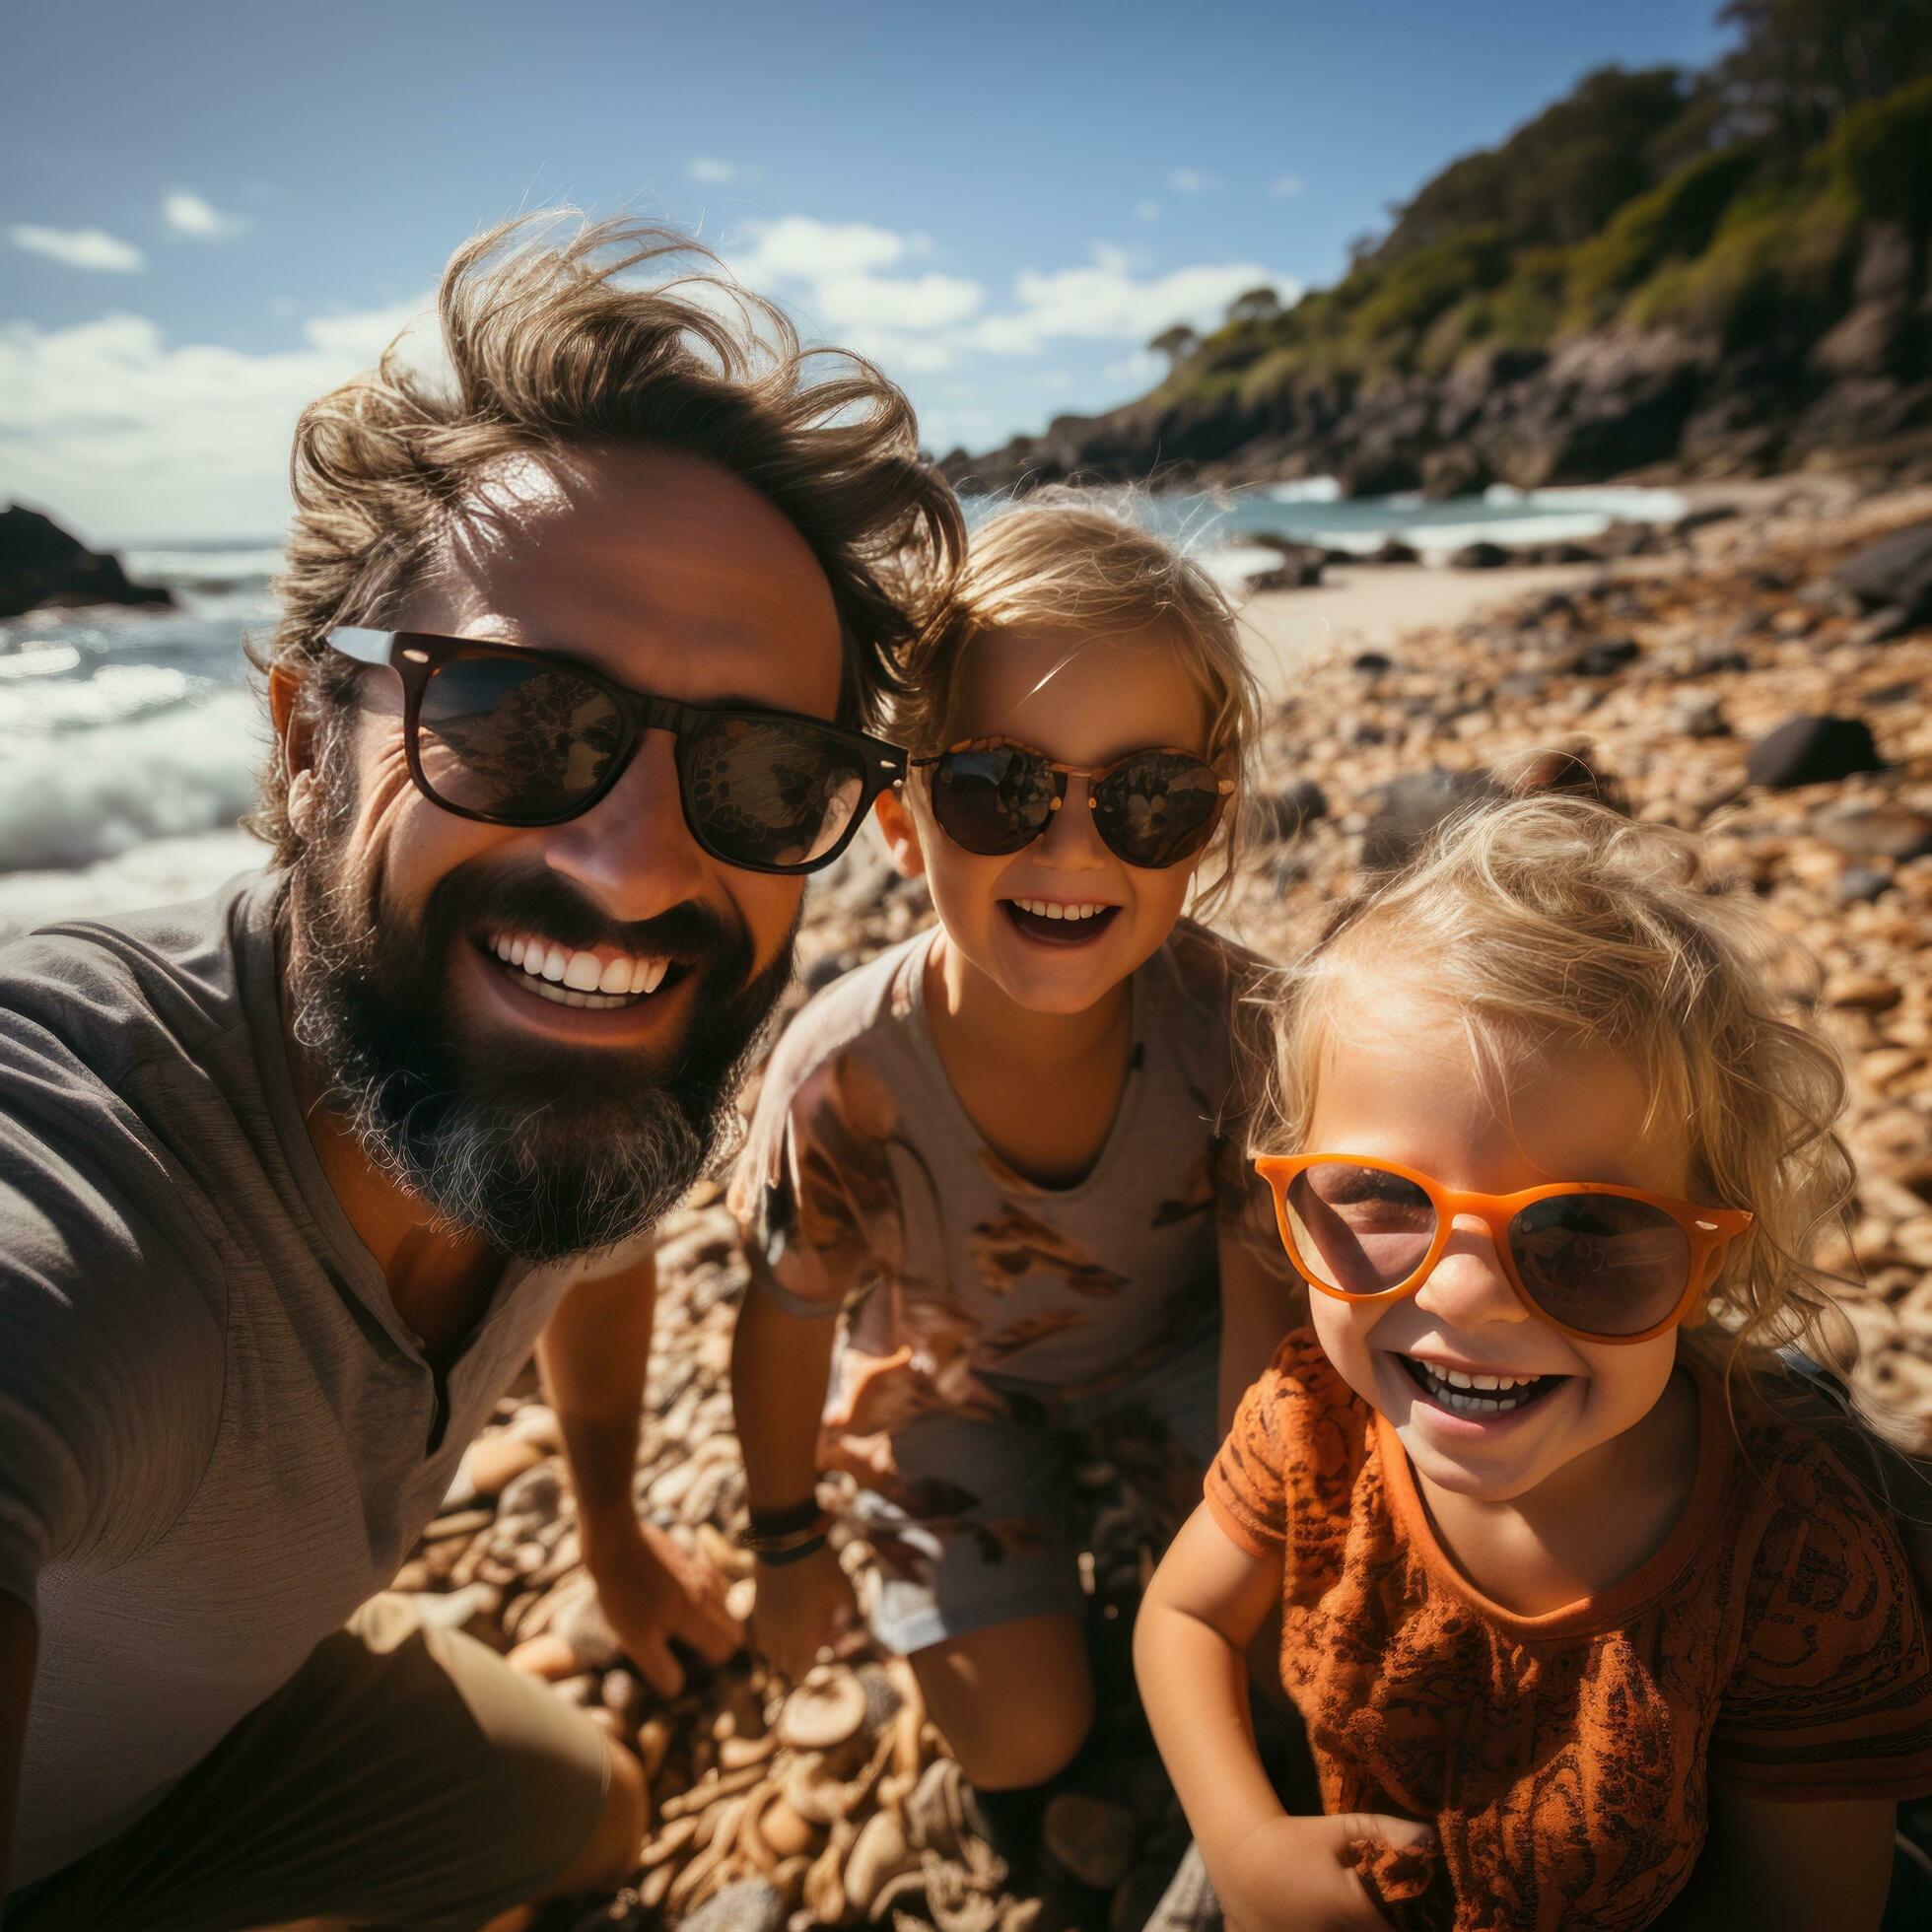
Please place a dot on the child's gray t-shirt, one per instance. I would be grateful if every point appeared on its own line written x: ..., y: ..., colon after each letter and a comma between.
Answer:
x: 970, y: 1290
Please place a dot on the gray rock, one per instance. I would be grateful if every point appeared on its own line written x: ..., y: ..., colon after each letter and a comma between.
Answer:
x: 1894, y: 574
x: 1407, y: 809
x: 1812, y: 751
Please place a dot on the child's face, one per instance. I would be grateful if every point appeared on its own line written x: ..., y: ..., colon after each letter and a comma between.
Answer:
x: 1398, y: 1082
x: 1085, y: 701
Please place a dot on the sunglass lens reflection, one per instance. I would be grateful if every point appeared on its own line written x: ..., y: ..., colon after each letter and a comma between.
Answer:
x: 994, y: 800
x: 1357, y: 1229
x: 1599, y: 1263
x: 521, y: 744
x: 1157, y: 809
x: 767, y: 791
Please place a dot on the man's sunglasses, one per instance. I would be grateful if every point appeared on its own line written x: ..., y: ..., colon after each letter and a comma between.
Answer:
x: 517, y: 736
x: 1152, y: 808
x: 1602, y: 1263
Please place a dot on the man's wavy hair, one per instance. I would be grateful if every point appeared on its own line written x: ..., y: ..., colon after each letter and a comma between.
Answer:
x: 613, y: 333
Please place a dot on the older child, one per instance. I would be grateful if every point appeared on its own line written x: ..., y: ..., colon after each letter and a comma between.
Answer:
x: 1006, y: 1148
x: 1579, y: 1625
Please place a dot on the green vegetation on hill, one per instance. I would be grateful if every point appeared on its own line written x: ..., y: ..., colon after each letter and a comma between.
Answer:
x: 1730, y: 206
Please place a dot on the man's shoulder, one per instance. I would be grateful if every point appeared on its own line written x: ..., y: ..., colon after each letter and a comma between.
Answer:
x: 101, y: 994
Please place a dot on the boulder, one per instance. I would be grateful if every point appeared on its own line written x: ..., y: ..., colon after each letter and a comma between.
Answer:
x: 1812, y: 751
x: 1481, y: 555
x: 40, y: 564
x: 1605, y: 657
x: 1894, y: 574
x: 1409, y: 808
x: 1392, y: 551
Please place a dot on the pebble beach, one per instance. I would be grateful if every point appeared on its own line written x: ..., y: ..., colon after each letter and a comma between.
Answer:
x: 1739, y: 682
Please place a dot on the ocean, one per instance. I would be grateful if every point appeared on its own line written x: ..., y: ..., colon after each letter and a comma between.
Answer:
x: 128, y: 738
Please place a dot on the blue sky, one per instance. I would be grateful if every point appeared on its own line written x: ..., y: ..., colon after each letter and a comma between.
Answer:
x: 210, y: 210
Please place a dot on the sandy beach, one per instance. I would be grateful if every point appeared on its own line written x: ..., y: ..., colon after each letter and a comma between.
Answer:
x: 1655, y: 682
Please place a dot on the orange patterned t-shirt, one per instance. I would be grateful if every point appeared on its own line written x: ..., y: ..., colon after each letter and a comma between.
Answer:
x: 1774, y: 1643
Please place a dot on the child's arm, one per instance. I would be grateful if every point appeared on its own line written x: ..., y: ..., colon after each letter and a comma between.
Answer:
x: 1788, y: 1867
x: 780, y: 1363
x: 1269, y: 1870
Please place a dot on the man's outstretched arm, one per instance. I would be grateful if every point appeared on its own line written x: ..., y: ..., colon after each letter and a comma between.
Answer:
x: 592, y: 1358
x: 20, y: 1641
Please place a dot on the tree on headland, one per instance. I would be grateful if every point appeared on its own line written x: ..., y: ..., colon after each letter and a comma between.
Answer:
x: 1260, y: 304
x: 1177, y: 344
x: 1801, y: 66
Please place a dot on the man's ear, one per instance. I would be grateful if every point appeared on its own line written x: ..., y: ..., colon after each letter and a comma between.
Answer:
x: 295, y: 738
x: 901, y: 833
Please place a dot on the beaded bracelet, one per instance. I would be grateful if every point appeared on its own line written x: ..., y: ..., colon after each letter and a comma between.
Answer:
x: 778, y: 1531
x: 796, y: 1553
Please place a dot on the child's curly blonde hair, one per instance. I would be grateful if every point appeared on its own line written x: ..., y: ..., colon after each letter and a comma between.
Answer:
x: 1547, y: 918
x: 1064, y: 560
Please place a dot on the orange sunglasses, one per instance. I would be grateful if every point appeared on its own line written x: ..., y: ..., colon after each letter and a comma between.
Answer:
x: 1600, y: 1262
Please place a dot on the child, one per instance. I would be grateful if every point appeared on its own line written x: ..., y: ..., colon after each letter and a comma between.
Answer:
x: 1006, y: 1148
x: 1578, y: 1623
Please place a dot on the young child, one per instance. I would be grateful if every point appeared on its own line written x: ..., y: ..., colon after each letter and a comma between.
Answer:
x: 1578, y: 1623
x: 1007, y: 1149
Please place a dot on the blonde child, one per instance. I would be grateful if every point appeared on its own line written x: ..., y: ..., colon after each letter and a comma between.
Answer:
x: 1006, y: 1149
x: 1585, y: 1633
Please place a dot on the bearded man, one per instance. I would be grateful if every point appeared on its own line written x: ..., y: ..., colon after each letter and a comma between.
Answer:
x: 580, y: 636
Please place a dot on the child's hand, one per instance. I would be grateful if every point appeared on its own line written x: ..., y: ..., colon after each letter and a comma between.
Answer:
x: 799, y: 1609
x: 1298, y: 1873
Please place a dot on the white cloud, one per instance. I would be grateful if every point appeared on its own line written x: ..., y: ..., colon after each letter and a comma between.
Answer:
x: 188, y: 214
x: 1192, y: 180
x: 835, y: 274
x: 1106, y: 302
x: 1285, y: 187
x: 109, y: 424
x: 1146, y: 211
x: 712, y: 171
x: 78, y: 248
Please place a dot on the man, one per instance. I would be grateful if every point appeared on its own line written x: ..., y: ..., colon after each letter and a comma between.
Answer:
x: 574, y: 638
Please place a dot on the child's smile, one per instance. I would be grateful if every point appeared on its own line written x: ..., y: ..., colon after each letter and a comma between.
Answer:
x: 1060, y: 921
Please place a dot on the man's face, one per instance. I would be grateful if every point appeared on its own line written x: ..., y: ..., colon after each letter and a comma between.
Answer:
x: 549, y: 1119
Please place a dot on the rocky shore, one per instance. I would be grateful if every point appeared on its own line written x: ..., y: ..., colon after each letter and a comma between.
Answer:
x: 1768, y: 686
x: 44, y: 567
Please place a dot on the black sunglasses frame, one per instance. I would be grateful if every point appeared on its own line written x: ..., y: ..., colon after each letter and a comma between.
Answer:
x: 417, y: 656
x: 1059, y: 772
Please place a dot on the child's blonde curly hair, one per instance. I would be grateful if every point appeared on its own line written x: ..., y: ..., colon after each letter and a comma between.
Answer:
x: 1064, y: 559
x: 1547, y: 918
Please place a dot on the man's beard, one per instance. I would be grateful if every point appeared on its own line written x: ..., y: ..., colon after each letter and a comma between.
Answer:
x: 543, y: 1151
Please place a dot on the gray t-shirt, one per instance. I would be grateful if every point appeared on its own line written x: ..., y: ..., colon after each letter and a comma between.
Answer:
x: 968, y: 1288
x: 216, y: 1436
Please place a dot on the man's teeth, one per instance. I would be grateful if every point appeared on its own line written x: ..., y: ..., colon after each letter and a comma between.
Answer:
x: 1052, y: 909
x: 1477, y: 1395
x: 569, y: 978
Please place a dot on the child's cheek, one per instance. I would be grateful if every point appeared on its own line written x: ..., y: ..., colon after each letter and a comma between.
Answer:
x: 1342, y: 1328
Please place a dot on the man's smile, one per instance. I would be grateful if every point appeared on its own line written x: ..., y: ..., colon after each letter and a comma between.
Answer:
x: 599, y: 977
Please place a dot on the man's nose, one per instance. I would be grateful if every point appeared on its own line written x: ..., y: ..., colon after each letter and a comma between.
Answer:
x: 1468, y: 1286
x: 1071, y: 840
x: 632, y: 851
